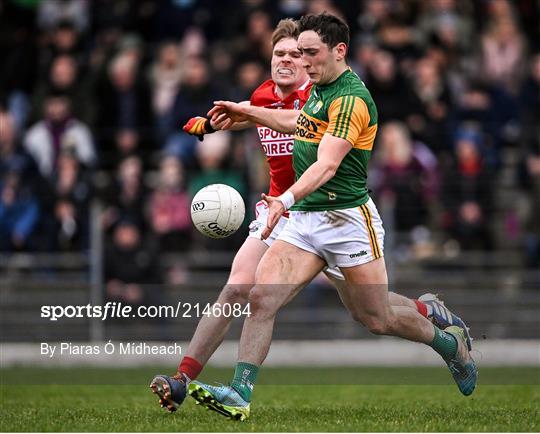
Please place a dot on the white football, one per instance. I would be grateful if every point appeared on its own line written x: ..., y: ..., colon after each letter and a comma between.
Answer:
x: 217, y: 211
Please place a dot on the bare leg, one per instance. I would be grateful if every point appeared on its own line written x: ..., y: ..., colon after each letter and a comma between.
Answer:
x: 211, y: 330
x: 366, y: 297
x: 394, y: 298
x: 282, y: 273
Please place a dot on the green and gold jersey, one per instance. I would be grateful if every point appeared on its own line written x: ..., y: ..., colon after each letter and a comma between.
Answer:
x: 345, y: 109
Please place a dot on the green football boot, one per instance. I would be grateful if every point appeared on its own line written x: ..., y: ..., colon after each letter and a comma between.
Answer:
x: 462, y: 365
x: 221, y: 399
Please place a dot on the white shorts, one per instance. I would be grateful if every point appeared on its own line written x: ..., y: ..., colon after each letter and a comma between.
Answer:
x: 257, y: 226
x: 343, y: 238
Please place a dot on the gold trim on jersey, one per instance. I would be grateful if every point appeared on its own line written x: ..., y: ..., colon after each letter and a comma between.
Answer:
x: 349, y: 120
x: 367, y: 139
x: 309, y: 129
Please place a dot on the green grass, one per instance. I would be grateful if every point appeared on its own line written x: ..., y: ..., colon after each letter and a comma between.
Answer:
x: 368, y: 399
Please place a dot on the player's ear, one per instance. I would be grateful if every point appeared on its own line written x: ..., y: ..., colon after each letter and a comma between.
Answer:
x: 340, y: 51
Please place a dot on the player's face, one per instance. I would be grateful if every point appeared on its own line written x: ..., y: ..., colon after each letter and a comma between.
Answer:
x: 287, y: 67
x: 319, y: 61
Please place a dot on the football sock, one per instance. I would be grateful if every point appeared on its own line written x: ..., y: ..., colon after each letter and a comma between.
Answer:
x: 190, y: 368
x: 245, y: 375
x: 423, y: 309
x: 444, y: 343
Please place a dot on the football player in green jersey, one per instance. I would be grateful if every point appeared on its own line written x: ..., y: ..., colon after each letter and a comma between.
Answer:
x: 332, y: 220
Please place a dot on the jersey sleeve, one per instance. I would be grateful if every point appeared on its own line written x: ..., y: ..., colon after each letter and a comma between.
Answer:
x: 253, y: 97
x: 348, y: 116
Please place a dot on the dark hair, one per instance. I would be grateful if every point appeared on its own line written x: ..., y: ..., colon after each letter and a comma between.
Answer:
x: 331, y: 29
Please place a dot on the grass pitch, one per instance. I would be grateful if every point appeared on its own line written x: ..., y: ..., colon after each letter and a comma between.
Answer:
x: 303, y: 400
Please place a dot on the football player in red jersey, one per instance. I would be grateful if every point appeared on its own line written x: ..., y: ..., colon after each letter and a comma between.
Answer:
x: 289, y: 88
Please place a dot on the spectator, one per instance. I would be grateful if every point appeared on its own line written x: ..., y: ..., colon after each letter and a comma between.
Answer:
x: 467, y: 193
x: 258, y: 35
x: 52, y: 13
x: 19, y: 65
x: 363, y: 51
x: 221, y: 60
x: 64, y: 39
x: 195, y: 97
x: 12, y: 155
x: 391, y: 90
x: 123, y: 98
x: 126, y: 197
x: 406, y: 179
x: 320, y: 6
x: 373, y: 14
x: 58, y: 131
x: 170, y: 207
x: 448, y: 24
x: 495, y: 113
x: 64, y: 77
x: 127, y: 143
x: 165, y: 79
x: 193, y: 43
x: 19, y: 213
x: 397, y: 37
x: 434, y: 96
x: 197, y: 91
x: 503, y: 55
x: 66, y: 206
x: 131, y: 266
x: 249, y: 75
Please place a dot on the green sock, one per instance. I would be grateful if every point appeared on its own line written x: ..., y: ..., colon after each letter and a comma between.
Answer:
x: 245, y: 375
x: 444, y: 343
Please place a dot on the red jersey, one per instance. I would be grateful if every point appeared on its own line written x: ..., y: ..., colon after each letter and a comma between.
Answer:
x: 278, y: 147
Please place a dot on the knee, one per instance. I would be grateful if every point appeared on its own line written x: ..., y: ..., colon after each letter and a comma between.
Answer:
x: 235, y: 292
x: 376, y: 323
x: 377, y: 326
x: 260, y: 302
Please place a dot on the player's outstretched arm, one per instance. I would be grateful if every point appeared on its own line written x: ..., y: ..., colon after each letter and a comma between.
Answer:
x: 199, y: 125
x: 283, y: 121
x: 221, y: 121
x: 332, y: 150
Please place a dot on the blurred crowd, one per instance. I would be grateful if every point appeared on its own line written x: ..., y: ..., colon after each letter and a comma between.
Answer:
x: 93, y: 95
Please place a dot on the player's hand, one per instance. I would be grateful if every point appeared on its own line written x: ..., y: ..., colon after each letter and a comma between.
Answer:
x: 221, y: 122
x: 275, y: 211
x: 198, y: 126
x: 234, y: 112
